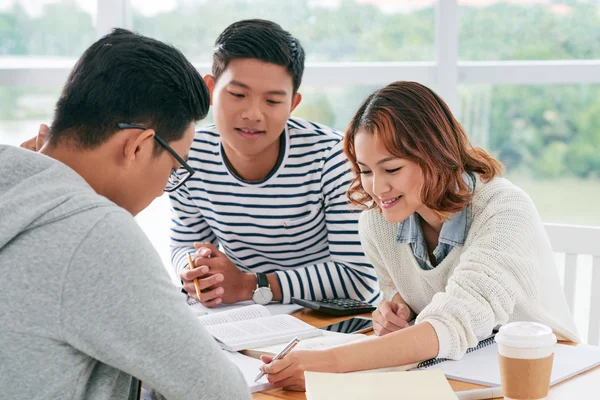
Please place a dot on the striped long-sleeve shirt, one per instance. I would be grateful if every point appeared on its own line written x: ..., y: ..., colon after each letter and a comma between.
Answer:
x: 297, y: 223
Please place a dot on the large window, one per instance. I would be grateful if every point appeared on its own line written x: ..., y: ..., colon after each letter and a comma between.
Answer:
x: 522, y: 76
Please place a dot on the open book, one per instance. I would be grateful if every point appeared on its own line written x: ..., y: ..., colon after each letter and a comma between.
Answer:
x: 274, y: 308
x: 253, y: 326
x: 326, y: 341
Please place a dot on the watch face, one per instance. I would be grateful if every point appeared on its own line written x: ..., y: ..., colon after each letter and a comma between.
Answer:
x: 262, y: 295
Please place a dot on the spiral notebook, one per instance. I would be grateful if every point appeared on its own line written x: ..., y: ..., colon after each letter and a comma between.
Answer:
x: 435, y: 361
x: 480, y: 364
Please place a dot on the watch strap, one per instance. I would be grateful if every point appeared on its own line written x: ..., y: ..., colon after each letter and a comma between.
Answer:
x: 261, y: 280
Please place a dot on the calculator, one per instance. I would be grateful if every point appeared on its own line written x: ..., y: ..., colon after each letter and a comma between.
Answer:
x: 337, y: 307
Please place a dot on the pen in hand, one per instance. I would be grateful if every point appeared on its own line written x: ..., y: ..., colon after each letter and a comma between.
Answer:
x: 191, y: 263
x: 284, y: 352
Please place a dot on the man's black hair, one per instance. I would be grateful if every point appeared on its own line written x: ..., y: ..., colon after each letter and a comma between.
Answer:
x: 126, y: 77
x: 262, y: 40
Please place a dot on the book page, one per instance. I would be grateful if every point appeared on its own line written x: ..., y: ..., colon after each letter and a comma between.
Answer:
x: 241, y: 335
x: 235, y: 314
x: 274, y: 308
x: 200, y: 309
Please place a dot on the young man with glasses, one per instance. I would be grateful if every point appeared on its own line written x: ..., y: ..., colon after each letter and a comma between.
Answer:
x: 269, y: 189
x: 178, y: 176
x: 86, y: 307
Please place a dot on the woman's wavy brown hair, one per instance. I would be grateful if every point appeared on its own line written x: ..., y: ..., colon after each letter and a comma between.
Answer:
x: 414, y: 123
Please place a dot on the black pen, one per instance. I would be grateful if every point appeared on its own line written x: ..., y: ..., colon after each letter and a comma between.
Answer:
x: 284, y: 352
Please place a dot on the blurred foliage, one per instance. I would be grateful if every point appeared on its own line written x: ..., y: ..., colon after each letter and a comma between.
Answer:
x: 62, y: 29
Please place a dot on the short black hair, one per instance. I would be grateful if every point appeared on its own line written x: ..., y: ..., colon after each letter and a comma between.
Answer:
x: 126, y: 77
x: 262, y: 40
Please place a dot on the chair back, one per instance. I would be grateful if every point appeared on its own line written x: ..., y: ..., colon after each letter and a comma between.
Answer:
x: 575, y: 241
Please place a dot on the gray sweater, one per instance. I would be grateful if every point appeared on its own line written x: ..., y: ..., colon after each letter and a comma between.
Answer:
x: 86, y: 307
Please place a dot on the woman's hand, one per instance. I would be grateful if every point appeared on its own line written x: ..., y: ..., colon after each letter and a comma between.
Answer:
x: 391, y: 316
x: 288, y: 372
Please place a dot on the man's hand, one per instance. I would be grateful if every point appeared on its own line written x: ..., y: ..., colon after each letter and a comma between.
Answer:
x: 36, y: 142
x: 219, y: 279
x: 391, y: 316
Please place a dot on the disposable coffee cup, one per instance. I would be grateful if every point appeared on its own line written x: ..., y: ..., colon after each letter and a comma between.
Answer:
x: 526, y: 354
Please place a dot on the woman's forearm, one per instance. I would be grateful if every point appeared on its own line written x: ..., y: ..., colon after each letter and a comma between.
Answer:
x: 407, y: 346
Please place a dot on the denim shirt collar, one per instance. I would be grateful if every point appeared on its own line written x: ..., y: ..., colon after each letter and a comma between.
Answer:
x: 453, y: 233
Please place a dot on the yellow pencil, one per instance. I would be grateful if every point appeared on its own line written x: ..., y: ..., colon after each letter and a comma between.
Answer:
x: 191, y: 263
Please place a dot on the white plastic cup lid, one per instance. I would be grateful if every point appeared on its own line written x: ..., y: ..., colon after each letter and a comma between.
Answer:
x: 524, y: 334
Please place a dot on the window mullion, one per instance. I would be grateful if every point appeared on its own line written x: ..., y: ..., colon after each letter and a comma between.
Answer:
x: 446, y: 49
x: 112, y: 14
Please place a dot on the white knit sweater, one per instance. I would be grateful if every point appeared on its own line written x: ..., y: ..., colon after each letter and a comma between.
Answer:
x: 504, y: 272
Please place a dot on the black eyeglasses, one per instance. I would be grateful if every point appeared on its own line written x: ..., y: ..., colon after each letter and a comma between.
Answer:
x: 177, y: 177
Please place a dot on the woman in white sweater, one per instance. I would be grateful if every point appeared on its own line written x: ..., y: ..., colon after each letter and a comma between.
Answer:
x: 452, y: 243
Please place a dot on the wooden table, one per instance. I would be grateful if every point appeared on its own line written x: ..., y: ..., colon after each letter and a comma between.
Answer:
x: 580, y: 387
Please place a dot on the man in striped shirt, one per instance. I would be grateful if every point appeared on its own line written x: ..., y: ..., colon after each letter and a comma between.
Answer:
x: 268, y: 188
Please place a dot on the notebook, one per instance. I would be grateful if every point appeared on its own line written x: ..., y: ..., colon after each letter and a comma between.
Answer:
x: 253, y: 326
x: 415, y: 385
x: 480, y: 365
x: 325, y: 341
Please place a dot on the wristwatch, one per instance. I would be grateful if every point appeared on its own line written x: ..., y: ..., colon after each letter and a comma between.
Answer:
x: 263, y: 293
